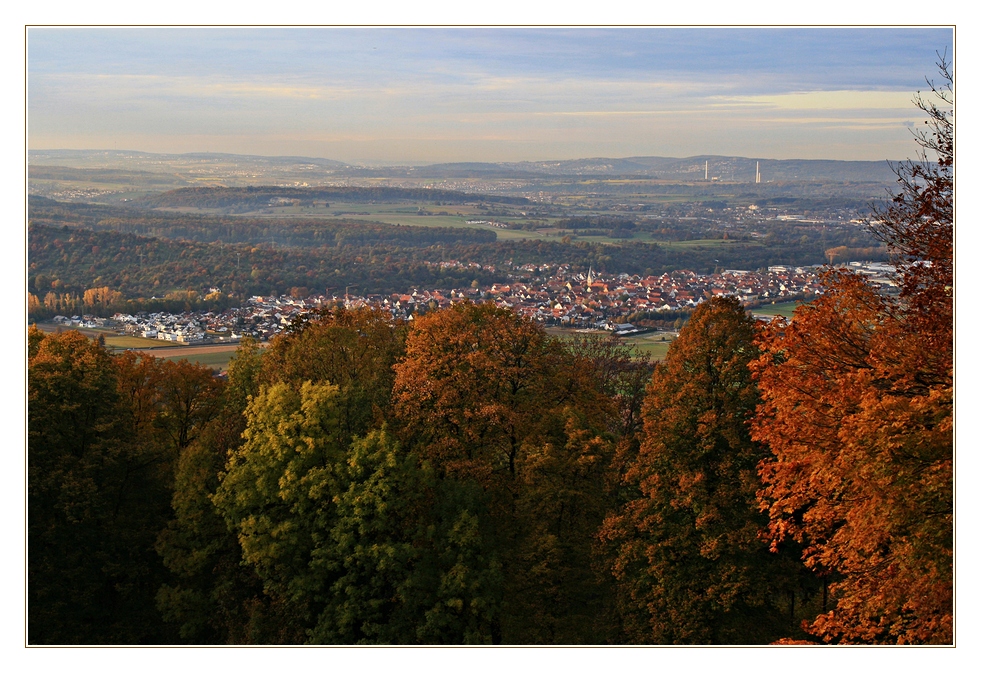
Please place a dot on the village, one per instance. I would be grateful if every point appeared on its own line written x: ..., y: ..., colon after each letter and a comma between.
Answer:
x: 553, y: 296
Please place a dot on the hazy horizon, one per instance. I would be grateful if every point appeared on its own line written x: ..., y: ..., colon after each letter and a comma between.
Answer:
x: 395, y: 164
x: 415, y: 96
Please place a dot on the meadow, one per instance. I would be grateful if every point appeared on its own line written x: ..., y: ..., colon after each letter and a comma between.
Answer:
x: 784, y: 309
x: 653, y: 344
x: 216, y: 357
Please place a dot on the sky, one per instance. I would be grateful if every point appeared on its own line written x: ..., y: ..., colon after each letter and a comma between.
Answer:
x: 415, y: 95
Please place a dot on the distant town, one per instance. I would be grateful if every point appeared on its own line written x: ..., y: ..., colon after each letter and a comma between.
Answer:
x: 552, y: 296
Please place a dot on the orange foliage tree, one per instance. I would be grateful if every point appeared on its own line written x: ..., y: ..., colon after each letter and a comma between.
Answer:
x: 857, y: 409
x: 689, y: 566
x: 490, y: 401
x: 104, y: 433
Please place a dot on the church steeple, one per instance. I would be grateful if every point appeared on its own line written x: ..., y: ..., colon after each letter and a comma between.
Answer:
x: 589, y: 279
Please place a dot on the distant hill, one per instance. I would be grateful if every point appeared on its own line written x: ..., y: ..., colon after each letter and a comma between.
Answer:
x: 729, y: 169
x: 130, y: 160
x: 724, y: 168
x: 106, y: 175
x: 741, y: 169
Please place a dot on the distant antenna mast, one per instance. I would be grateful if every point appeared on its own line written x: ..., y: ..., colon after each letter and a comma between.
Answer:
x: 706, y: 169
x: 757, y: 172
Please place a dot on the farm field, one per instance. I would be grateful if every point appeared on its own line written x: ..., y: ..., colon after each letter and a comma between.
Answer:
x: 400, y: 214
x: 216, y: 357
x: 654, y: 344
x: 113, y: 340
x: 116, y: 342
x: 651, y: 344
x: 784, y: 309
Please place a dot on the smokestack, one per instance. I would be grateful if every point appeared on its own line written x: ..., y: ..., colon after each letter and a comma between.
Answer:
x: 757, y: 172
x: 706, y: 169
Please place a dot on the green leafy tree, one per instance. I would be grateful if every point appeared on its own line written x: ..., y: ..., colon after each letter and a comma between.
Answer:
x: 403, y: 575
x: 277, y: 491
x: 211, y: 596
x: 356, y: 540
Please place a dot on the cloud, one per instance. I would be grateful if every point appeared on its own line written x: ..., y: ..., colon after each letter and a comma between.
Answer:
x: 821, y: 100
x: 618, y: 88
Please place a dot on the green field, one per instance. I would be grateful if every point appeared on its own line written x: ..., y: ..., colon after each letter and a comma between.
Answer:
x: 113, y: 340
x: 784, y: 308
x: 654, y: 344
x: 123, y: 342
x: 650, y: 344
x: 218, y: 360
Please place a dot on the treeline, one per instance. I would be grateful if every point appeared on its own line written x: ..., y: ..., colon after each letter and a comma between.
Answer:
x: 67, y: 260
x: 292, y: 232
x: 106, y: 302
x: 250, y: 198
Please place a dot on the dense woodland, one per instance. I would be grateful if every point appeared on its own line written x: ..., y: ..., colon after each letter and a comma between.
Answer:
x: 468, y: 479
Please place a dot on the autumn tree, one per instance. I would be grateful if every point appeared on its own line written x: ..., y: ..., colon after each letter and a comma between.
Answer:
x: 918, y: 224
x: 97, y: 495
x: 471, y: 385
x: 690, y: 568
x: 857, y: 411
x: 489, y: 399
x: 101, y: 298
x: 354, y: 349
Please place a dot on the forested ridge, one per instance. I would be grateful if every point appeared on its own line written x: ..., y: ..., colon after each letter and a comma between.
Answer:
x: 465, y: 478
